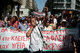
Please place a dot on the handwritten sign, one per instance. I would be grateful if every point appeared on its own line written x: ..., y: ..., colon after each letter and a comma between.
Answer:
x: 13, y: 40
x: 60, y: 39
x: 56, y: 40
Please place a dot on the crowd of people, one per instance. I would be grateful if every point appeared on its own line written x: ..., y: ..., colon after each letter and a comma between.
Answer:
x: 49, y: 23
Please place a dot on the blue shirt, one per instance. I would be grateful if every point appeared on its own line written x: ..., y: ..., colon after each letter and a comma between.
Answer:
x: 11, y: 27
x: 22, y: 27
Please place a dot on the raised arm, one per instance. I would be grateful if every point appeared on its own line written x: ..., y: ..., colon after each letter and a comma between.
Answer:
x: 33, y: 24
x: 29, y: 32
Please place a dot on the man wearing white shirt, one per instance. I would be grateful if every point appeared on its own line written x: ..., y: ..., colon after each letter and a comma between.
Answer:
x: 53, y: 18
x: 55, y: 21
x: 36, y: 42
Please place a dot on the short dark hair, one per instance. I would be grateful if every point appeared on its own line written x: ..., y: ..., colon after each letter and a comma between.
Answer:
x: 32, y: 18
x: 9, y: 18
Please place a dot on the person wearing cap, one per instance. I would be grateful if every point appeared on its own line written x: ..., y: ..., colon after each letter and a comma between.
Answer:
x: 23, y: 26
x: 63, y: 24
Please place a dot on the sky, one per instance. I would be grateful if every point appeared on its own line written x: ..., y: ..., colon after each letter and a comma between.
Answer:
x: 40, y: 4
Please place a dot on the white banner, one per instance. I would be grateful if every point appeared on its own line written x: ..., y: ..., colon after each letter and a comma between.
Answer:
x: 56, y: 40
x: 60, y: 39
x: 38, y: 13
x: 13, y: 40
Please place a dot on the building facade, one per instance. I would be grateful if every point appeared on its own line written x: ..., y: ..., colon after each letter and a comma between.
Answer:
x: 59, y: 6
x: 7, y: 6
x: 25, y: 8
x: 32, y: 5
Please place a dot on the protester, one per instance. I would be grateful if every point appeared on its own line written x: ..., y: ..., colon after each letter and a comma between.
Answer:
x: 36, y: 42
x: 54, y: 20
x: 47, y: 25
x: 51, y: 17
x: 29, y: 22
x: 38, y: 21
x: 43, y: 21
x: 58, y: 21
x: 63, y: 24
x: 78, y: 43
x: 15, y: 22
x: 2, y: 23
x: 5, y: 19
x: 70, y: 22
x: 23, y: 25
x: 9, y: 23
x: 32, y: 24
x: 52, y: 25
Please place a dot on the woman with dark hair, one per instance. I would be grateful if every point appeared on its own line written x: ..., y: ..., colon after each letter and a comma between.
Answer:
x: 28, y: 21
x: 9, y: 23
x: 52, y: 24
x: 2, y: 23
x: 47, y: 25
x: 15, y: 22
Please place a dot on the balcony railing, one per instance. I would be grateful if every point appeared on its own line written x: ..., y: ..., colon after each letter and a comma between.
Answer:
x: 68, y: 0
x: 58, y: 0
x: 78, y: 5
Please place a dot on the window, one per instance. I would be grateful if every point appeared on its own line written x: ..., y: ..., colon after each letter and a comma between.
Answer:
x: 68, y: 0
x: 68, y: 5
x: 58, y: 0
x: 58, y: 6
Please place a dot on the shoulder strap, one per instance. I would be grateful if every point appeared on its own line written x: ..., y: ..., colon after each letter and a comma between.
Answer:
x: 40, y: 33
x: 42, y: 37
